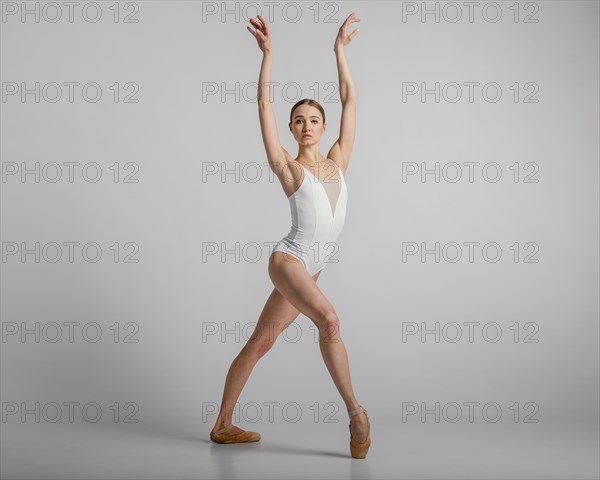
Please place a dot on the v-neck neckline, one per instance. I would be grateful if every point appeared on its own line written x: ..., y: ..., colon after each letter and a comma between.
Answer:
x: 320, y: 181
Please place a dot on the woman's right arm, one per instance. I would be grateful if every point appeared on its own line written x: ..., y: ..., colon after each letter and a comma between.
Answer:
x: 276, y: 154
x: 278, y: 157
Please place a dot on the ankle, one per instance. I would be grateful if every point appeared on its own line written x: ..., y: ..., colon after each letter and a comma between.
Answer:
x: 355, y: 411
x: 220, y: 425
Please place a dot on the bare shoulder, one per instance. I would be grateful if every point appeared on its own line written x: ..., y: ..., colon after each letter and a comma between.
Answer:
x: 289, y: 172
x: 282, y: 164
x: 340, y: 158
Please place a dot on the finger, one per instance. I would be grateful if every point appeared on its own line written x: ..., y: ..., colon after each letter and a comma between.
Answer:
x: 257, y: 24
x: 353, y: 34
x: 264, y: 23
x: 251, y: 31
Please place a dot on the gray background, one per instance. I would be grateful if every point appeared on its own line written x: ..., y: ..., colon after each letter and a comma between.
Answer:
x: 174, y: 295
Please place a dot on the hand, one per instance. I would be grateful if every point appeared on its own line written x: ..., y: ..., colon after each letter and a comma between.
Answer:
x: 262, y: 33
x: 343, y: 38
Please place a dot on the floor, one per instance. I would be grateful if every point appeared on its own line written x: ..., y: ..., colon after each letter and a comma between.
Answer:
x: 546, y: 450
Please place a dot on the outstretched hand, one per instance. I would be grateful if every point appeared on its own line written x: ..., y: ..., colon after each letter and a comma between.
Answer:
x: 262, y: 33
x: 343, y: 38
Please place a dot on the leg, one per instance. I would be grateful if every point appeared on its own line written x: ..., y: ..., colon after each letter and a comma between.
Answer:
x: 294, y: 282
x: 277, y: 314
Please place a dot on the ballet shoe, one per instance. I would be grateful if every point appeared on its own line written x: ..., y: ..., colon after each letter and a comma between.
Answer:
x: 221, y: 436
x: 357, y: 449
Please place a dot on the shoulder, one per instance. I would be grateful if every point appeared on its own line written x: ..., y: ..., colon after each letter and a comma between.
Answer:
x: 338, y: 157
x: 283, y: 165
x: 342, y: 167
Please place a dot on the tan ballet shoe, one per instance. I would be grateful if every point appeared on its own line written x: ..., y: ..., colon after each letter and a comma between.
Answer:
x: 359, y: 450
x: 221, y: 436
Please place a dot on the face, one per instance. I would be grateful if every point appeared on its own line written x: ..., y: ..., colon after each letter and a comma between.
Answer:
x: 307, y: 120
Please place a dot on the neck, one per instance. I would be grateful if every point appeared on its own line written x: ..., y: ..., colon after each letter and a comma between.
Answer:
x: 309, y: 154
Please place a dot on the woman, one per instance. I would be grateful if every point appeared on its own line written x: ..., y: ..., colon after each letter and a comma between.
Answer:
x: 317, y: 194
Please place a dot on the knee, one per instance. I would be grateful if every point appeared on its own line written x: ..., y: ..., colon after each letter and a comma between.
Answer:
x: 257, y: 349
x: 329, y: 323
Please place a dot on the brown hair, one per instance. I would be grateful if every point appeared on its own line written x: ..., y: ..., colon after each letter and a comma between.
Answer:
x: 312, y: 103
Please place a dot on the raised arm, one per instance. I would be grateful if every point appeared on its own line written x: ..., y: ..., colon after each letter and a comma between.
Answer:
x: 278, y: 157
x: 342, y: 148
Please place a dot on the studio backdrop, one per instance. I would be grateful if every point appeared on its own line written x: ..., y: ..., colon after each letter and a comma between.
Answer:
x: 139, y: 212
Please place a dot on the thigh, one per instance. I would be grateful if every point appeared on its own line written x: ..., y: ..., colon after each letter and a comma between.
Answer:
x: 275, y: 317
x: 299, y: 288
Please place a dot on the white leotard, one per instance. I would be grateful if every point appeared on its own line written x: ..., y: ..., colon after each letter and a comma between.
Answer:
x: 318, y: 211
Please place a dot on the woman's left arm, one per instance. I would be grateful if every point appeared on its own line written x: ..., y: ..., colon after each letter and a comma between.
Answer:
x: 342, y: 148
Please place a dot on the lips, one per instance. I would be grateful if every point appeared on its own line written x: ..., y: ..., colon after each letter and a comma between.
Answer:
x: 306, y: 136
